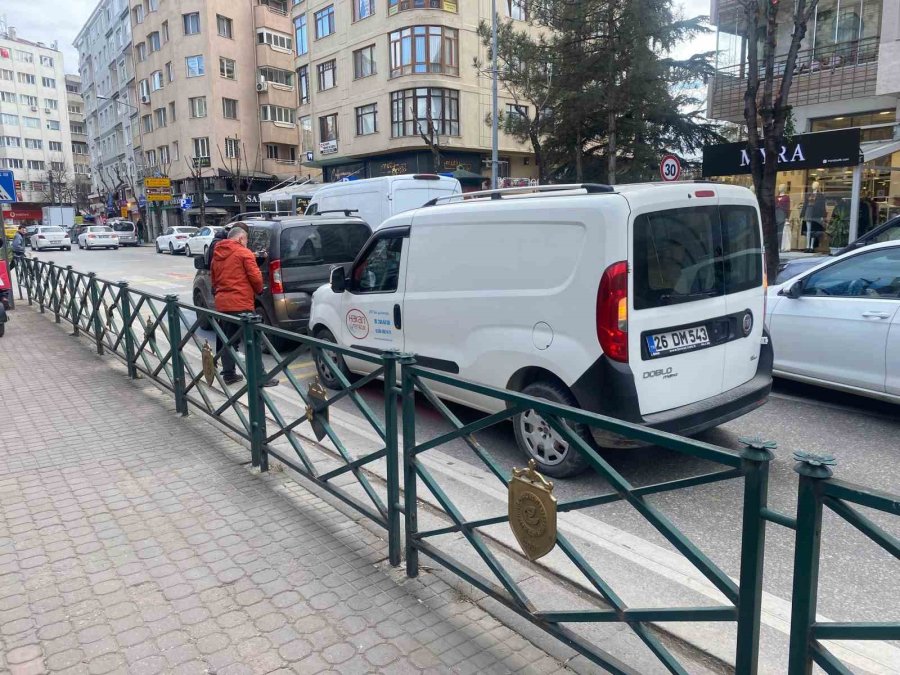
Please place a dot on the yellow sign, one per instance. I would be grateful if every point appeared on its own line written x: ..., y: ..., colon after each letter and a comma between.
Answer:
x: 532, y: 511
x: 79, y: 220
x: 157, y: 182
x: 158, y: 194
x: 124, y: 211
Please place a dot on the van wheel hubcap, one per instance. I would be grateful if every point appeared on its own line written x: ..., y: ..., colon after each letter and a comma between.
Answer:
x: 324, y: 371
x: 543, y: 442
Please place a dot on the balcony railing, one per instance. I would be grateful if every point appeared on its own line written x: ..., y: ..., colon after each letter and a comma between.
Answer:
x: 395, y: 6
x: 836, y: 73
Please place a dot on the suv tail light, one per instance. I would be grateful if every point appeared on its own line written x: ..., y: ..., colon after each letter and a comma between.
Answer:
x: 275, y: 284
x: 612, y: 312
x: 40, y: 236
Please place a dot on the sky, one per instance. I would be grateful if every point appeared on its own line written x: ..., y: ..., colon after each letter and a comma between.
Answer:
x: 49, y: 20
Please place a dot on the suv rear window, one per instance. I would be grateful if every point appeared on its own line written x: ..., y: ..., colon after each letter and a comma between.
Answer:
x: 123, y: 226
x: 684, y: 255
x: 324, y: 244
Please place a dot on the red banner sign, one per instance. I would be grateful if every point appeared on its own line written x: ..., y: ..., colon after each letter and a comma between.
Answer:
x: 5, y: 284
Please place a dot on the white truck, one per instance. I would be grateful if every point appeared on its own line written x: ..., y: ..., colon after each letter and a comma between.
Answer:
x: 58, y: 216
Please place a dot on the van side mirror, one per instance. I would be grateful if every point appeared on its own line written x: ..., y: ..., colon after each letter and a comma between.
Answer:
x: 200, y: 262
x: 338, y: 280
x: 794, y: 291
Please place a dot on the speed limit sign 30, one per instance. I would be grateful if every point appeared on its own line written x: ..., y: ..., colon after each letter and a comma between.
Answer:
x: 670, y: 168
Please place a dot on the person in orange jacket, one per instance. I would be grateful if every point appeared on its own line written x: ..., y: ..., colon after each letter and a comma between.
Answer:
x: 236, y: 281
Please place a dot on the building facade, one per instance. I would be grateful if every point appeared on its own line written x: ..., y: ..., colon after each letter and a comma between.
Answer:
x: 81, y: 167
x: 35, y: 138
x: 847, y: 76
x: 390, y: 86
x: 108, y: 87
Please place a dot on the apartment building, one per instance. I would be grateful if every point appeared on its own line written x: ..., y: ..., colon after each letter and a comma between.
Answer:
x: 847, y: 77
x: 81, y: 167
x: 110, y: 105
x: 35, y: 139
x: 389, y: 86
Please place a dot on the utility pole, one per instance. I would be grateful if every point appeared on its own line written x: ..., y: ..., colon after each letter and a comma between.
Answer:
x: 495, y: 128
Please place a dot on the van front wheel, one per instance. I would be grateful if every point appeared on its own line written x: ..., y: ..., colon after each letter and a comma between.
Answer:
x: 326, y: 375
x: 553, y: 454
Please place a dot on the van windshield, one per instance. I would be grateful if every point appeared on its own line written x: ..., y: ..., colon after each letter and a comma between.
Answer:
x: 685, y: 255
x: 322, y: 244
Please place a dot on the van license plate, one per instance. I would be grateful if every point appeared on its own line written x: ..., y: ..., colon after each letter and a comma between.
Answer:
x: 677, y: 341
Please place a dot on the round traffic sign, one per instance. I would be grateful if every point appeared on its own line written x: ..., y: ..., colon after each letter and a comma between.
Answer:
x: 670, y: 168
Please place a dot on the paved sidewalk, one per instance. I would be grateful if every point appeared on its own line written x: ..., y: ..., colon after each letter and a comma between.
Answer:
x: 136, y: 541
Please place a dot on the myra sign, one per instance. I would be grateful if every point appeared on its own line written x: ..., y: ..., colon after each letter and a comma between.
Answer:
x: 805, y: 151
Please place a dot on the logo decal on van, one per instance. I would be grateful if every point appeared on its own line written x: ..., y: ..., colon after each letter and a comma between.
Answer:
x: 357, y: 324
x: 665, y: 374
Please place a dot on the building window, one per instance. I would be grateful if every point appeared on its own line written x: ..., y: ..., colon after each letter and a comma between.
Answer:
x: 276, y: 76
x: 175, y: 155
x: 26, y: 78
x: 36, y: 165
x: 138, y: 13
x: 229, y: 108
x: 300, y: 36
x: 10, y: 141
x: 303, y: 83
x: 191, y: 23
x: 160, y: 117
x: 367, y: 119
x: 34, y: 144
x: 147, y: 123
x: 515, y: 112
x: 395, y: 6
x: 276, y: 40
x: 140, y: 52
x: 48, y: 82
x: 27, y: 57
x: 232, y: 148
x: 201, y: 147
x: 151, y: 158
x: 6, y: 74
x: 25, y: 99
x: 11, y: 120
x: 306, y: 134
x: 271, y: 151
x: 172, y: 111
x: 325, y: 22
x: 424, y: 49
x: 363, y: 9
x: 223, y: 25
x: 170, y: 72
x: 55, y: 146
x: 195, y: 66
x: 326, y: 75
x: 7, y: 97
x: 153, y: 42
x: 163, y: 154
x: 518, y: 9
x: 156, y: 80
x: 165, y: 31
x: 276, y: 113
x: 53, y: 125
x: 197, y: 106
x: 226, y: 68
x: 364, y: 62
x: 328, y: 128
x: 144, y: 88
x: 425, y: 110
x: 74, y: 109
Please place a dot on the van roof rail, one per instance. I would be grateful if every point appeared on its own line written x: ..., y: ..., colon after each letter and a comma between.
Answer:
x: 589, y: 188
x: 346, y: 212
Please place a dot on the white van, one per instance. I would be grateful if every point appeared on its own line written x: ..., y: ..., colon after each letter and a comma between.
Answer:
x: 377, y: 199
x: 642, y: 302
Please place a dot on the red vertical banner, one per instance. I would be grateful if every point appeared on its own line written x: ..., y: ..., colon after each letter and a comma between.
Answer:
x: 5, y: 284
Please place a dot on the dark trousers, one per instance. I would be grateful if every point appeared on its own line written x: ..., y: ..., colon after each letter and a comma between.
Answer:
x: 230, y: 329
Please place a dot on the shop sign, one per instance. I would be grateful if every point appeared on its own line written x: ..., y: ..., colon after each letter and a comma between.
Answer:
x: 803, y: 151
x: 517, y: 182
x: 328, y: 147
x: 393, y: 168
x: 200, y: 162
x: 454, y: 164
x: 157, y: 182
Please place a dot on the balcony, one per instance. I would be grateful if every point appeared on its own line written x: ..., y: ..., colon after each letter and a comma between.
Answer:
x: 280, y: 167
x: 270, y: 16
x: 836, y: 73
x: 395, y: 6
x: 280, y: 133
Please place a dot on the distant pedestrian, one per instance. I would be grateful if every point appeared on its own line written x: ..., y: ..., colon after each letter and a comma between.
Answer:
x: 18, y: 244
x: 236, y: 281
x: 139, y: 226
x: 219, y: 236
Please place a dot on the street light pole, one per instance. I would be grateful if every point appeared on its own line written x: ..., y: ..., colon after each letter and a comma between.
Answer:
x: 495, y: 130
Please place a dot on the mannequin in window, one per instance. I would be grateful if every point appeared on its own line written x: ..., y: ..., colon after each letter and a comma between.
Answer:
x: 782, y: 209
x: 814, y: 216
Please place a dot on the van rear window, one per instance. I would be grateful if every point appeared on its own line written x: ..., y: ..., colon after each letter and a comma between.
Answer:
x: 322, y: 244
x: 685, y: 255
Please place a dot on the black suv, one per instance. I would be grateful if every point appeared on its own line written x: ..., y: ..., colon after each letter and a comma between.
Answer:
x: 295, y: 255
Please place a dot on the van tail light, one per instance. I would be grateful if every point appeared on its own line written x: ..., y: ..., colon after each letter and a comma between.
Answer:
x: 275, y: 284
x: 612, y: 312
x: 765, y: 288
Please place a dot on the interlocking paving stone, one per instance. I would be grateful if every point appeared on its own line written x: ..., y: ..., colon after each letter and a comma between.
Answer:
x: 136, y: 541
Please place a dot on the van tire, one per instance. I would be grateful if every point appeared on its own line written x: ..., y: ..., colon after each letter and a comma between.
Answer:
x: 324, y: 373
x: 550, y: 460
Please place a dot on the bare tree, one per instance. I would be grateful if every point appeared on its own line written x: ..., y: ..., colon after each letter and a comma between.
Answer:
x: 428, y: 131
x: 239, y: 171
x: 57, y: 183
x: 197, y: 178
x: 766, y: 108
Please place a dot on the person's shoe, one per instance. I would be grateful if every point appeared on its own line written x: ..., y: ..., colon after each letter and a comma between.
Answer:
x: 231, y: 378
x: 270, y: 383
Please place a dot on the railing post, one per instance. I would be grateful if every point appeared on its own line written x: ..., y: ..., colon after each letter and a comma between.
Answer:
x: 176, y: 359
x: 95, y: 311
x: 756, y: 456
x: 73, y: 315
x: 392, y: 458
x: 29, y: 275
x: 57, y: 292
x: 410, y: 502
x: 39, y: 286
x: 127, y: 335
x: 255, y: 403
x: 813, y: 469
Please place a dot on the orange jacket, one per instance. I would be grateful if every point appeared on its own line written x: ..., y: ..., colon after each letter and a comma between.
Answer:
x: 236, y: 278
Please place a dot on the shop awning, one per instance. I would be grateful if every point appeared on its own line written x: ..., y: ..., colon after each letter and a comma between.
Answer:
x: 877, y: 149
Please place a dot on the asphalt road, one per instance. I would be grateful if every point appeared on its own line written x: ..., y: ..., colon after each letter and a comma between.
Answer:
x: 858, y: 580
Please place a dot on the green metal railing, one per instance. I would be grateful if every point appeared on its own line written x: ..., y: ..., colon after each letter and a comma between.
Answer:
x: 164, y: 340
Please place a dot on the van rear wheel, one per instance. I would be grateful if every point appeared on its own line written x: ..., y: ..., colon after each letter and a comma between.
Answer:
x: 553, y: 454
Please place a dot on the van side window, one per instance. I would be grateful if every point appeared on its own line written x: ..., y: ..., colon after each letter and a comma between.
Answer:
x: 379, y: 271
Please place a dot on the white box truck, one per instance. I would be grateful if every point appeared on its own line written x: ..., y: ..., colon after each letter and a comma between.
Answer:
x: 58, y: 216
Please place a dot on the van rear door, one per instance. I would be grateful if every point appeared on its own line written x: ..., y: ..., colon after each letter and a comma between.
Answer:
x: 678, y: 323
x: 413, y: 193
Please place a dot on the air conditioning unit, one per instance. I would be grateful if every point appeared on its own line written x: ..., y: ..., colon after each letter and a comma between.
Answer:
x: 145, y: 99
x: 34, y: 108
x: 262, y: 86
x: 46, y: 111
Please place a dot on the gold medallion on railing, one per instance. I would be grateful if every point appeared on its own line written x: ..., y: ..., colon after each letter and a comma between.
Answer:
x: 317, y: 408
x: 148, y: 329
x: 209, y: 363
x: 532, y: 511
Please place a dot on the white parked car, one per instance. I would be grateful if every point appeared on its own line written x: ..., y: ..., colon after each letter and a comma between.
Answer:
x: 46, y: 237
x: 174, y: 239
x: 98, y: 236
x: 199, y: 243
x: 838, y: 325
x: 642, y: 302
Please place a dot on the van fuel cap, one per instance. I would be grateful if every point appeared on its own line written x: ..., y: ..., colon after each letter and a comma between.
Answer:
x: 542, y: 335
